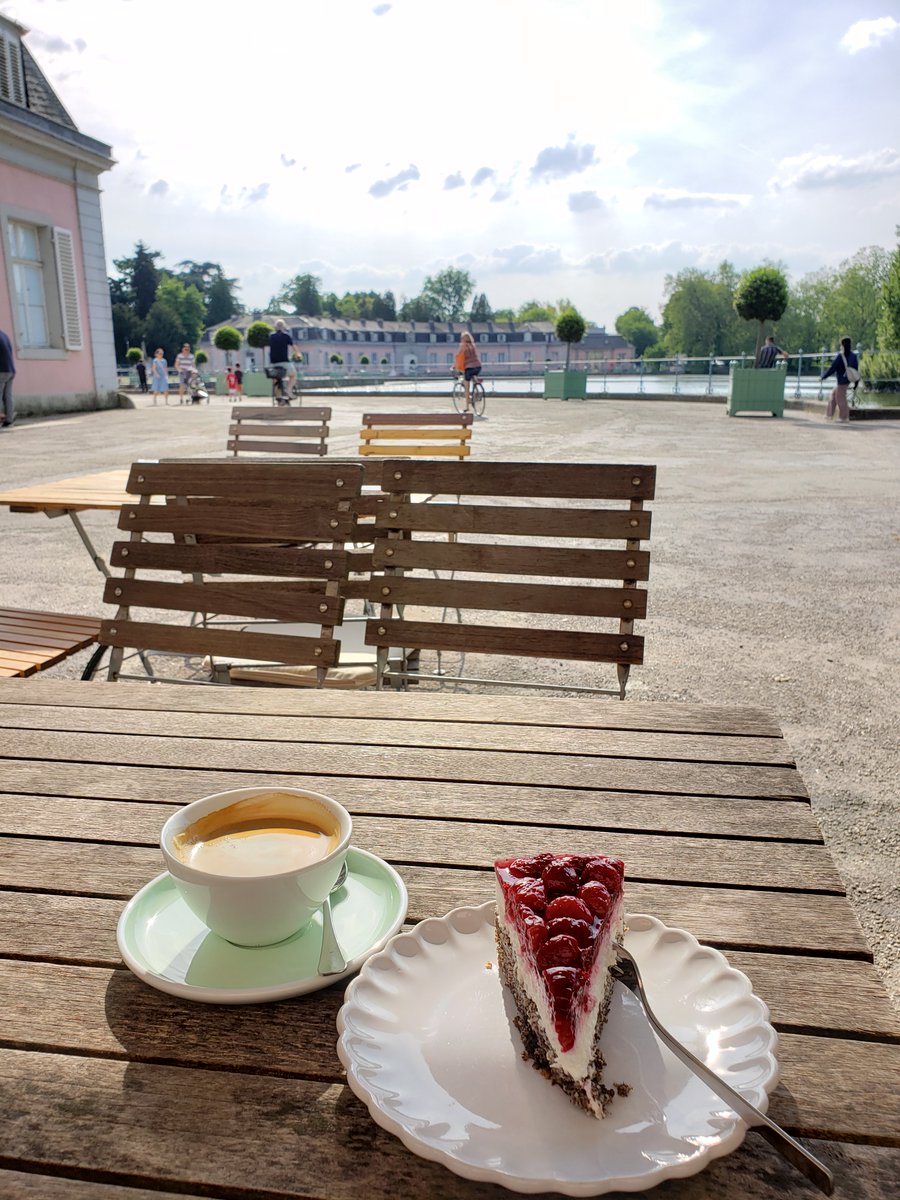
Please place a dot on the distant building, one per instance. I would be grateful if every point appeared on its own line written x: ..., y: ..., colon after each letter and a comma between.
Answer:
x: 54, y: 296
x: 504, y: 346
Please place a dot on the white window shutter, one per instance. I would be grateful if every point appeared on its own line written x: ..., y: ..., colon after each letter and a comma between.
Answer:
x: 64, y: 246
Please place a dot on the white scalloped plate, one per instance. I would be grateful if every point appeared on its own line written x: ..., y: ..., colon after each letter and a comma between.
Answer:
x: 427, y: 1039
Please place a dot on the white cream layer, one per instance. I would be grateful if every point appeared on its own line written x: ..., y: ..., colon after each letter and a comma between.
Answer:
x: 577, y: 1061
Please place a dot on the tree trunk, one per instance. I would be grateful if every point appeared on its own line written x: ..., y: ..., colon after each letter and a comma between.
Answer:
x: 568, y: 352
x: 760, y: 338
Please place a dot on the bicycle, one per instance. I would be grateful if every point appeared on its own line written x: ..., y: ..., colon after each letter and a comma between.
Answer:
x: 476, y: 395
x: 277, y: 374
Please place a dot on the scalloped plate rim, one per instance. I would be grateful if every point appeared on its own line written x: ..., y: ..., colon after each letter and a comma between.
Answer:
x: 726, y: 1144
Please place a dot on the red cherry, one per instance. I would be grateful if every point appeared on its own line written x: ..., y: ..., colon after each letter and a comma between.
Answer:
x: 608, y: 871
x: 561, y: 951
x: 560, y: 879
x: 532, y: 930
x: 568, y: 906
x: 528, y: 893
x: 528, y: 867
x: 568, y: 927
x: 595, y: 897
x: 561, y: 983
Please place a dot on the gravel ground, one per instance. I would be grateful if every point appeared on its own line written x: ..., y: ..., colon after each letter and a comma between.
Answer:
x: 775, y: 576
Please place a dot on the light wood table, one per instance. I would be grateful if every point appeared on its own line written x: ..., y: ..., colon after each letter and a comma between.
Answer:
x: 114, y: 1091
x: 104, y: 492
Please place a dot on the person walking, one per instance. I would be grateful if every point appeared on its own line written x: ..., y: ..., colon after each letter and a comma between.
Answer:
x: 7, y: 374
x: 281, y: 346
x: 185, y: 365
x: 141, y: 369
x: 159, y: 376
x: 469, y: 363
x: 238, y: 381
x: 845, y: 369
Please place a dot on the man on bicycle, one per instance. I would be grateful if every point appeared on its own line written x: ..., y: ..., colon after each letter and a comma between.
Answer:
x: 469, y: 363
x: 281, y: 345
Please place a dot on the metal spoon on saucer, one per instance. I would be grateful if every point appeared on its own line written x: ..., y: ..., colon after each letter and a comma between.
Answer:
x: 331, y: 958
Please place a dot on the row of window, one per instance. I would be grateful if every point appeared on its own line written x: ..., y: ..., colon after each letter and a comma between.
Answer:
x: 315, y: 333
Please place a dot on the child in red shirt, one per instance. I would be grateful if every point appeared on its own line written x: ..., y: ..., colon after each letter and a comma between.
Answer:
x: 231, y: 380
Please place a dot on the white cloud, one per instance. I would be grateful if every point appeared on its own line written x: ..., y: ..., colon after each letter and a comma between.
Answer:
x: 863, y: 34
x: 384, y: 187
x: 672, y: 198
x: 482, y: 175
x: 580, y: 202
x: 812, y: 170
x: 287, y: 162
x: 556, y: 162
x: 525, y: 259
x: 454, y: 181
x: 159, y: 188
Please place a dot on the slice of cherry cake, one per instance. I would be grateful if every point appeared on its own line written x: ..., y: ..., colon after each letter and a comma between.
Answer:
x: 558, y: 916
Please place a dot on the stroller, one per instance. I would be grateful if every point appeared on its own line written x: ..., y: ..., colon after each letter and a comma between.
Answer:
x: 197, y: 390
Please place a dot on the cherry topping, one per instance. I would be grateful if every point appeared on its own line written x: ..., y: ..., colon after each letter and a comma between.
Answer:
x: 608, y: 871
x: 595, y: 897
x: 530, y: 867
x: 529, y: 893
x: 560, y: 879
x: 562, y: 951
x: 568, y: 906
x: 532, y: 929
x: 569, y: 927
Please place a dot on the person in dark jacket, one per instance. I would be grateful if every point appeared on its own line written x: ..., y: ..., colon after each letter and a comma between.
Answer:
x: 141, y: 368
x: 7, y: 374
x: 843, y: 360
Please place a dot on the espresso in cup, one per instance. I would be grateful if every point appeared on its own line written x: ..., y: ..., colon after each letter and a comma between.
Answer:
x: 263, y: 834
x: 253, y: 864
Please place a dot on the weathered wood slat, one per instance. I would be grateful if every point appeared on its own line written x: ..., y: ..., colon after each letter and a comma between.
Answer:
x: 273, y: 414
x: 453, y: 450
x: 106, y: 490
x: 494, y: 639
x: 243, y: 430
x: 323, y: 482
x: 512, y: 560
x: 81, y: 928
x: 29, y: 1185
x: 463, y: 420
x: 628, y: 604
x: 448, y: 734
x: 212, y: 558
x: 512, y: 520
x: 693, y: 860
x: 287, y: 521
x: 551, y: 481
x: 419, y: 433
x: 294, y: 600
x: 515, y: 710
x: 426, y: 763
x: 255, y: 445
x: 194, y: 639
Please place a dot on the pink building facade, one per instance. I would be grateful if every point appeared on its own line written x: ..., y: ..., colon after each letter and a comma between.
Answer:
x: 54, y: 296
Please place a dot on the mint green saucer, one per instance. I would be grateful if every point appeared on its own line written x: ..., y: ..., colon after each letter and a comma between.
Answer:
x: 165, y: 945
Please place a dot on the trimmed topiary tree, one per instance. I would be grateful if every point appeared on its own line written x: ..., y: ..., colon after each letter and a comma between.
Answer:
x: 134, y: 354
x: 570, y: 328
x: 761, y: 295
x: 228, y: 339
x: 201, y: 357
x: 258, y: 335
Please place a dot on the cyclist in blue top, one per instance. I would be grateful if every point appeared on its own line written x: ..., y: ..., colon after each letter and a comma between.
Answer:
x: 842, y: 360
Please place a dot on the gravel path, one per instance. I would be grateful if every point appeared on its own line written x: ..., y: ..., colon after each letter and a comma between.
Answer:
x: 775, y: 576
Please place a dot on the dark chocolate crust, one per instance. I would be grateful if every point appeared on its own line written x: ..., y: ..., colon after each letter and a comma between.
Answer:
x: 536, y: 1046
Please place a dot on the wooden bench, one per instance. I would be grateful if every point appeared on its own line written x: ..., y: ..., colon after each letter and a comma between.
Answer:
x: 282, y: 431
x: 32, y: 641
x: 428, y: 435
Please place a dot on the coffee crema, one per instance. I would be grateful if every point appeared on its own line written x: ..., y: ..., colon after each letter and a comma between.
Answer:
x: 265, y: 834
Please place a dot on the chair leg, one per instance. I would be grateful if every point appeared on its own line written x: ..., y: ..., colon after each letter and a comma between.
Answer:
x: 94, y: 662
x: 622, y: 670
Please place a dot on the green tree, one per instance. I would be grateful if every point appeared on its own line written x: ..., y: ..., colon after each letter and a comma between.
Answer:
x: 134, y: 354
x: 761, y: 295
x: 504, y: 314
x: 570, y: 328
x: 128, y: 329
x: 299, y: 295
x: 419, y: 308
x: 854, y: 303
x: 698, y: 314
x: 258, y: 337
x: 534, y: 310
x: 889, y: 319
x: 141, y: 277
x: 228, y: 339
x: 801, y: 327
x: 388, y: 308
x: 330, y: 305
x: 201, y: 357
x: 481, y: 310
x: 221, y: 300
x: 163, y: 328
x: 636, y: 325
x: 447, y: 293
x: 186, y: 303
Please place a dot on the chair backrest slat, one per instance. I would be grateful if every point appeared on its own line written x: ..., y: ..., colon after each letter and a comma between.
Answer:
x: 444, y: 435
x: 279, y: 430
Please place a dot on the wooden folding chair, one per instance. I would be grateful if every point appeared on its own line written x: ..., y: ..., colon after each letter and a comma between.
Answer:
x: 431, y: 435
x: 282, y: 431
x: 544, y: 554
x: 255, y: 540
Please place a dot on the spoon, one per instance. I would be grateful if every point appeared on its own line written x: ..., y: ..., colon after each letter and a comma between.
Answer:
x: 331, y: 958
x: 627, y: 972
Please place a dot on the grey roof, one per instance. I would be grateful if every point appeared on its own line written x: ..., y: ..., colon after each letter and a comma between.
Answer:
x: 341, y: 323
x: 41, y: 98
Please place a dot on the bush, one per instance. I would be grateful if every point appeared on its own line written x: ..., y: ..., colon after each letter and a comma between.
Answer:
x: 201, y: 357
x: 570, y: 328
x: 227, y: 338
x: 134, y: 354
x: 257, y: 335
x: 880, y: 371
x: 336, y: 359
x: 761, y: 295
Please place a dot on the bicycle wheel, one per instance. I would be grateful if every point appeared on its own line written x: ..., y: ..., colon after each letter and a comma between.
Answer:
x: 459, y: 396
x: 478, y: 398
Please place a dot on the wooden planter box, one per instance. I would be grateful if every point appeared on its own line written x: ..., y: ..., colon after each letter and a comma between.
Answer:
x: 754, y: 390
x: 565, y: 385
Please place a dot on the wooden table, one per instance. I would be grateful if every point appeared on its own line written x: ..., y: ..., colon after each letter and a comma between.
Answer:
x: 114, y: 1091
x: 69, y: 497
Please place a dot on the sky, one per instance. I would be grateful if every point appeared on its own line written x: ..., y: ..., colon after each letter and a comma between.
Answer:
x: 552, y: 148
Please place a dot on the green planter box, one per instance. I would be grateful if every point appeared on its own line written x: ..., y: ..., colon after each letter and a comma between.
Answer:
x: 257, y: 384
x: 755, y: 390
x: 565, y: 385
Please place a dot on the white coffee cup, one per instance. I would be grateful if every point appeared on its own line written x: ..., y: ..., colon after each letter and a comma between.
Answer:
x: 249, y: 897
